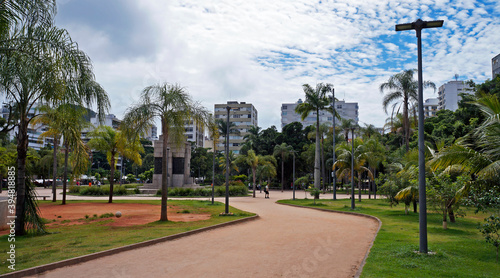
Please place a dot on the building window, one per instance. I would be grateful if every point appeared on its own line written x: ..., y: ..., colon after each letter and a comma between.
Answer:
x: 285, y: 107
x: 284, y: 113
x: 339, y: 106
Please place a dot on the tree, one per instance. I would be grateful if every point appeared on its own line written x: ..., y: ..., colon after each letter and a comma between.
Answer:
x: 44, y: 65
x: 267, y: 168
x: 283, y: 151
x: 114, y: 143
x: 252, y: 139
x: 223, y: 126
x: 173, y: 106
x: 374, y: 158
x: 66, y: 121
x: 316, y: 100
x: 402, y: 88
x: 252, y: 160
x: 408, y: 195
x: 344, y: 161
x: 491, y: 231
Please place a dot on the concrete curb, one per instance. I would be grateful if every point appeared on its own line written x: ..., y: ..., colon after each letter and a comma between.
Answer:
x: 73, y: 261
x: 360, y: 269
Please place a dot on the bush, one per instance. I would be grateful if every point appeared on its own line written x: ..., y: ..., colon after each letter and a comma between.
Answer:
x: 74, y: 189
x: 103, y: 191
x: 236, y: 183
x: 220, y: 191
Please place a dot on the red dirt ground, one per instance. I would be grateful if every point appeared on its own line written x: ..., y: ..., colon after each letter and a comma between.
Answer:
x: 132, y: 214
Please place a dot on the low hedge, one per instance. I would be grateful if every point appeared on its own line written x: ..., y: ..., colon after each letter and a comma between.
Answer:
x: 220, y: 191
x: 98, y: 191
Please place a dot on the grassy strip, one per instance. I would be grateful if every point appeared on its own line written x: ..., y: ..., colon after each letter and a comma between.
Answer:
x: 72, y: 241
x: 461, y: 250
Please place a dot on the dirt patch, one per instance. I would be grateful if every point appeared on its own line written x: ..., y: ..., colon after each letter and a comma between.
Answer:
x: 132, y: 214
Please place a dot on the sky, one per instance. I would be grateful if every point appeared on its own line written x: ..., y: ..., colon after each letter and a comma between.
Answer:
x: 262, y: 52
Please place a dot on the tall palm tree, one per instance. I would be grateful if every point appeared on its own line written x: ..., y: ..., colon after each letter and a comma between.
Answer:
x: 252, y: 160
x: 223, y: 126
x: 114, y: 143
x: 173, y: 106
x: 267, y: 168
x: 402, y: 88
x: 44, y: 66
x: 374, y: 158
x: 324, y: 128
x: 284, y: 150
x: 344, y: 158
x: 252, y: 138
x: 316, y: 100
x: 66, y: 121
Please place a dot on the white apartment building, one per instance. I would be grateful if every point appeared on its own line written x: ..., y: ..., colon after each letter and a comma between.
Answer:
x: 194, y: 132
x: 448, y: 94
x: 243, y: 115
x: 495, y: 66
x: 431, y: 106
x: 346, y: 110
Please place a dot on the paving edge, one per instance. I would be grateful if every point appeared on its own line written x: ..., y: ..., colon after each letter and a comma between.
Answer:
x: 73, y: 261
x: 360, y: 269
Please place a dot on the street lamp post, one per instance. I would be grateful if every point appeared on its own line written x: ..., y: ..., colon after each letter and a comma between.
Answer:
x: 334, y: 176
x: 352, y: 168
x: 418, y: 26
x: 293, y: 180
x: 227, y: 160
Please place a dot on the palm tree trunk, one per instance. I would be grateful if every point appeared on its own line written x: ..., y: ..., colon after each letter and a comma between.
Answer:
x: 282, y: 171
x: 22, y: 148
x: 54, y: 170
x: 317, y: 154
x: 254, y: 178
x: 323, y: 166
x: 65, y: 174
x: 164, y: 173
x: 112, y: 178
x: 359, y: 186
x: 374, y: 184
x: 406, y: 124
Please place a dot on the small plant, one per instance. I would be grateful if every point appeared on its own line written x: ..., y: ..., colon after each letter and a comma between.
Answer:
x: 184, y: 211
x: 59, y: 216
x: 87, y: 216
x: 314, y: 192
x: 94, y: 216
x: 107, y: 215
x: 65, y: 221
x: 491, y: 231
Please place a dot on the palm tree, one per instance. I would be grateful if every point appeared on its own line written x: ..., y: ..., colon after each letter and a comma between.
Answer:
x: 345, y: 125
x: 232, y: 163
x: 66, y: 121
x: 479, y: 153
x: 324, y: 128
x: 252, y: 138
x: 173, y: 106
x: 408, y: 195
x: 344, y: 159
x: 267, y: 168
x: 403, y: 88
x: 213, y: 131
x: 374, y: 158
x: 316, y: 100
x: 44, y: 66
x: 283, y: 150
x: 252, y: 160
x: 114, y: 143
x: 222, y: 125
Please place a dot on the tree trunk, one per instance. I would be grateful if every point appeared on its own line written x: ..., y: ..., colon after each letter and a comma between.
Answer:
x: 406, y: 124
x: 317, y: 155
x: 54, y: 170
x: 451, y: 215
x: 374, y: 184
x: 323, y: 167
x: 65, y: 174
x: 359, y: 186
x: 112, y: 178
x: 415, y: 206
x: 282, y: 172
x: 164, y: 173
x: 406, y: 209
x: 254, y: 179
x: 22, y: 148
x: 445, y: 223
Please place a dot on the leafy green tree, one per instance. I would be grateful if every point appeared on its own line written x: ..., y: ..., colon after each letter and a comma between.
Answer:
x: 408, y: 195
x: 173, y: 106
x: 131, y: 178
x: 315, y: 101
x: 491, y: 231
x: 402, y: 89
x: 252, y: 160
x: 114, y: 143
x: 283, y: 151
x: 266, y: 169
x: 44, y: 65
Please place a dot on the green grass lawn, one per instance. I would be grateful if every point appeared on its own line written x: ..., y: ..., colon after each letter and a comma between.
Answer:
x: 461, y: 250
x: 65, y: 242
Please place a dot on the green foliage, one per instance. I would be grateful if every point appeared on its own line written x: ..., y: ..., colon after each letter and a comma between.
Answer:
x: 131, y: 178
x: 240, y: 178
x: 491, y: 231
x: 74, y: 189
x: 315, y: 192
x: 220, y: 191
x: 102, y: 191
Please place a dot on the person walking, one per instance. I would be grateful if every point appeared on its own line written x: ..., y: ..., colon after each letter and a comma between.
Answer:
x: 266, y: 190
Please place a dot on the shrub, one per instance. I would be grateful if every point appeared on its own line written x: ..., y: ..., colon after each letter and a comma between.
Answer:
x: 103, y: 191
x: 220, y: 191
x: 74, y: 189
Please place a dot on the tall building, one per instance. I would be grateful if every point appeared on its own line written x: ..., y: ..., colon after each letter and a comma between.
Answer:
x: 346, y: 110
x: 194, y: 132
x: 448, y: 94
x: 430, y: 107
x: 243, y: 115
x: 495, y: 66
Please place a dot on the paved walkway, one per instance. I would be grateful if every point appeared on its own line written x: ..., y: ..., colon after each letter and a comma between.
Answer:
x: 284, y: 242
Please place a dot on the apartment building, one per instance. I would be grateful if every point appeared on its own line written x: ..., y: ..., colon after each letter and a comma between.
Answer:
x: 346, y: 110
x: 243, y: 115
x: 495, y: 66
x: 449, y: 94
x: 430, y: 107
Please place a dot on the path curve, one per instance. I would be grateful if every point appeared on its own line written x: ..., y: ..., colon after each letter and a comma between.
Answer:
x: 284, y: 242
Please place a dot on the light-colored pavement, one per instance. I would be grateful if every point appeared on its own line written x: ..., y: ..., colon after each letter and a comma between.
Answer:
x: 284, y: 242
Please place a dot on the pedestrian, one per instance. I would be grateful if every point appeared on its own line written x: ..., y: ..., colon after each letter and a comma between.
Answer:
x: 266, y: 190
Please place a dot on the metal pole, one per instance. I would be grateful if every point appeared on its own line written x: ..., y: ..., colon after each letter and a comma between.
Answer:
x: 293, y: 180
x: 421, y: 146
x: 213, y: 175
x: 352, y: 169
x: 334, y: 158
x: 227, y: 160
